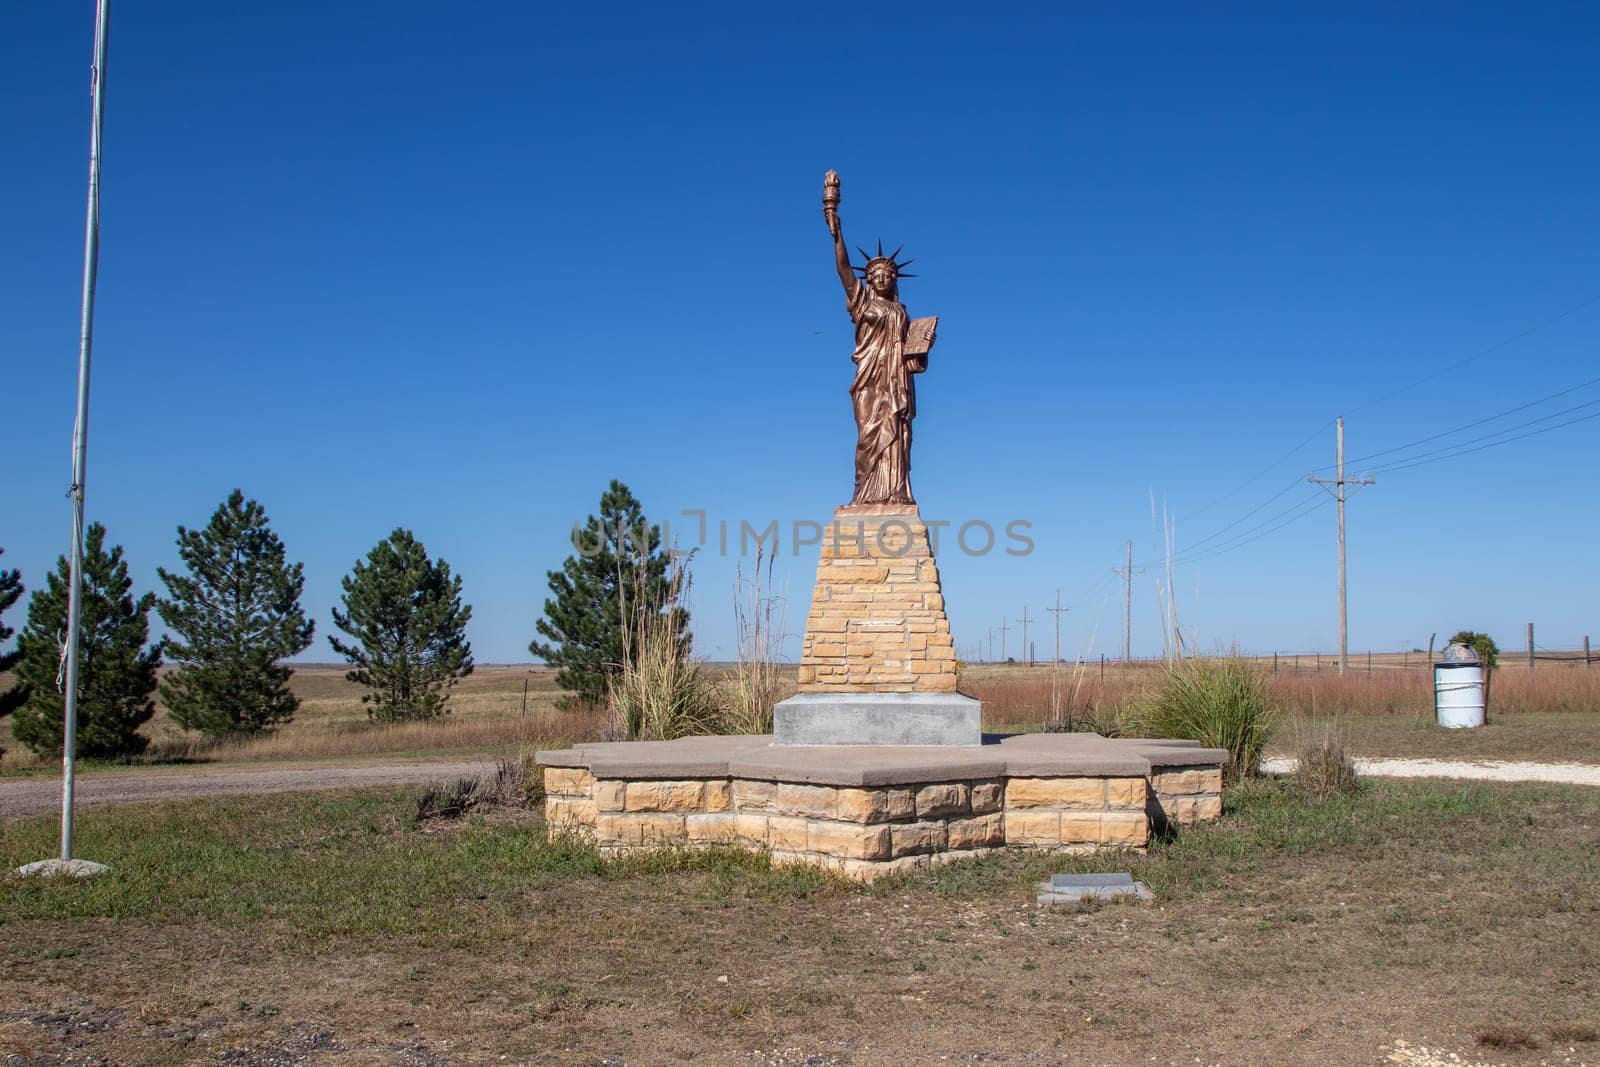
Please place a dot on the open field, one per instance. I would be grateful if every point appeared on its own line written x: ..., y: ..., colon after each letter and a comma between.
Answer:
x: 1549, y: 713
x: 1552, y: 712
x: 330, y: 927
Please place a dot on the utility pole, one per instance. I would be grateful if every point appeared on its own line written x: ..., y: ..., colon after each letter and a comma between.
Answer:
x: 1058, y: 611
x: 991, y: 645
x: 1003, y: 629
x: 1338, y: 492
x: 1126, y: 574
x: 1026, y: 654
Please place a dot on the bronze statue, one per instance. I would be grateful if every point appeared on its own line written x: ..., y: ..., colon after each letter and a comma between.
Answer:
x: 890, y: 348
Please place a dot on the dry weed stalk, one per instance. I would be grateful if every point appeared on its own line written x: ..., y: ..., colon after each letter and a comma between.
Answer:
x: 757, y: 682
x: 660, y: 691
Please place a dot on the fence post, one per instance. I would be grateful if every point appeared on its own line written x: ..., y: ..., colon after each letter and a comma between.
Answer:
x: 1585, y: 651
x: 1275, y: 659
x: 1530, y: 646
x: 1369, y: 661
x: 1319, y: 661
x: 1102, y: 666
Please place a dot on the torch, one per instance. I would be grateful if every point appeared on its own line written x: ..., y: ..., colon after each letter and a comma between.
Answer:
x: 830, y: 201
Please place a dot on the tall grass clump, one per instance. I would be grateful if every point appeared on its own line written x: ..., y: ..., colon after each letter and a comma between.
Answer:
x: 661, y: 692
x: 757, y: 682
x: 1325, y: 769
x: 1222, y: 703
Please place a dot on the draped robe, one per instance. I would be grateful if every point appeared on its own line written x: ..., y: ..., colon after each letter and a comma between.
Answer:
x: 884, y: 397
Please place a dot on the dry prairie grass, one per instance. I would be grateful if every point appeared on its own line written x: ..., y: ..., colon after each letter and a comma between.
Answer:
x: 1551, y: 712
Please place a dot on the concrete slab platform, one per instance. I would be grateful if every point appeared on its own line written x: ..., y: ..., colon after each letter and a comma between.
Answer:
x: 1047, y: 755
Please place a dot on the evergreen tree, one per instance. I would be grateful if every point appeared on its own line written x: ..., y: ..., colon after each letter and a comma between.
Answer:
x: 233, y: 617
x: 10, y: 593
x: 410, y: 629
x: 620, y: 561
x: 116, y: 672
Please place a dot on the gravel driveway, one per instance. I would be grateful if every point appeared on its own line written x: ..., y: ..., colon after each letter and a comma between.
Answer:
x: 1480, y: 770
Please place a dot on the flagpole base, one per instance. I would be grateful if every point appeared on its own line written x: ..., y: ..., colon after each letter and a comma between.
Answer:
x: 61, y: 869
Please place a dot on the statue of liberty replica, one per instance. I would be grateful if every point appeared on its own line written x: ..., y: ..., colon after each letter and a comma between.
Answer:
x: 890, y: 348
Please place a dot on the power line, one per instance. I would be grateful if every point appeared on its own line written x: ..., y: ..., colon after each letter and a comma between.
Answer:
x: 1455, y: 365
x: 1479, y: 422
x: 1265, y: 470
x: 1492, y: 444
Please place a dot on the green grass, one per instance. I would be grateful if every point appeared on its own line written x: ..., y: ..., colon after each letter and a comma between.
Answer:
x: 351, y: 863
x: 489, y: 935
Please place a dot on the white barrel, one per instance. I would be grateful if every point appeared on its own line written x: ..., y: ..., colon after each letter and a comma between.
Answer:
x: 1458, y: 689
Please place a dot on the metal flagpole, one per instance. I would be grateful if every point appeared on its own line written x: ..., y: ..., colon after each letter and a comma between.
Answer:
x: 80, y: 455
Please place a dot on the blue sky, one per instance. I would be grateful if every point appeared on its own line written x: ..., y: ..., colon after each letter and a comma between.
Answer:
x: 453, y: 267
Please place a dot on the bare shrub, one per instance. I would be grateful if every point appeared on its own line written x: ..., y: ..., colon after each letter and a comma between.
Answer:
x: 519, y: 780
x: 1325, y: 768
x: 449, y: 800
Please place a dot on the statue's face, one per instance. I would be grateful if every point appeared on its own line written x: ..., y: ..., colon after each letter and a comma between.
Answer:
x: 881, y: 277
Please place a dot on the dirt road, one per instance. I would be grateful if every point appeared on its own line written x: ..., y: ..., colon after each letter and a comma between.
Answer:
x: 31, y: 796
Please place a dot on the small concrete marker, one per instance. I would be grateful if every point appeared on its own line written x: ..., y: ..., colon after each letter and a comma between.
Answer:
x: 1073, y: 888
x: 61, y: 869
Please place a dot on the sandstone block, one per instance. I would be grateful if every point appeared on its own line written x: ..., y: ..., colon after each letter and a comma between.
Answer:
x: 1128, y: 828
x: 914, y: 837
x: 1080, y: 828
x: 1056, y: 793
x: 875, y: 805
x: 753, y: 796
x: 1207, y: 808
x: 704, y: 829
x: 817, y: 801
x: 719, y: 795
x: 806, y: 674
x: 848, y: 840
x: 982, y: 831
x: 986, y: 796
x: 612, y: 829
x: 1188, y: 780
x: 945, y: 798
x: 751, y: 829
x: 788, y: 833
x: 1033, y: 828
x: 609, y: 793
x: 665, y: 796
x: 1125, y: 793
x: 569, y: 781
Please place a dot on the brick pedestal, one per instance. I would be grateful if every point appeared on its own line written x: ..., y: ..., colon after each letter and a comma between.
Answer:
x: 877, y: 621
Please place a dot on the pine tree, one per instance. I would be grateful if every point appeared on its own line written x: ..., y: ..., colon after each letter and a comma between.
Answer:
x: 409, y: 624
x: 620, y: 561
x: 116, y: 672
x: 233, y: 617
x: 10, y: 593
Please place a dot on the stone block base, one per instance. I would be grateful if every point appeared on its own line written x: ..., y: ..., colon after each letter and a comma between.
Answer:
x: 870, y: 812
x: 877, y: 719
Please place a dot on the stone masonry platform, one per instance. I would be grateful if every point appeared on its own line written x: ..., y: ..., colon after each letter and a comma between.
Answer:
x: 870, y: 810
